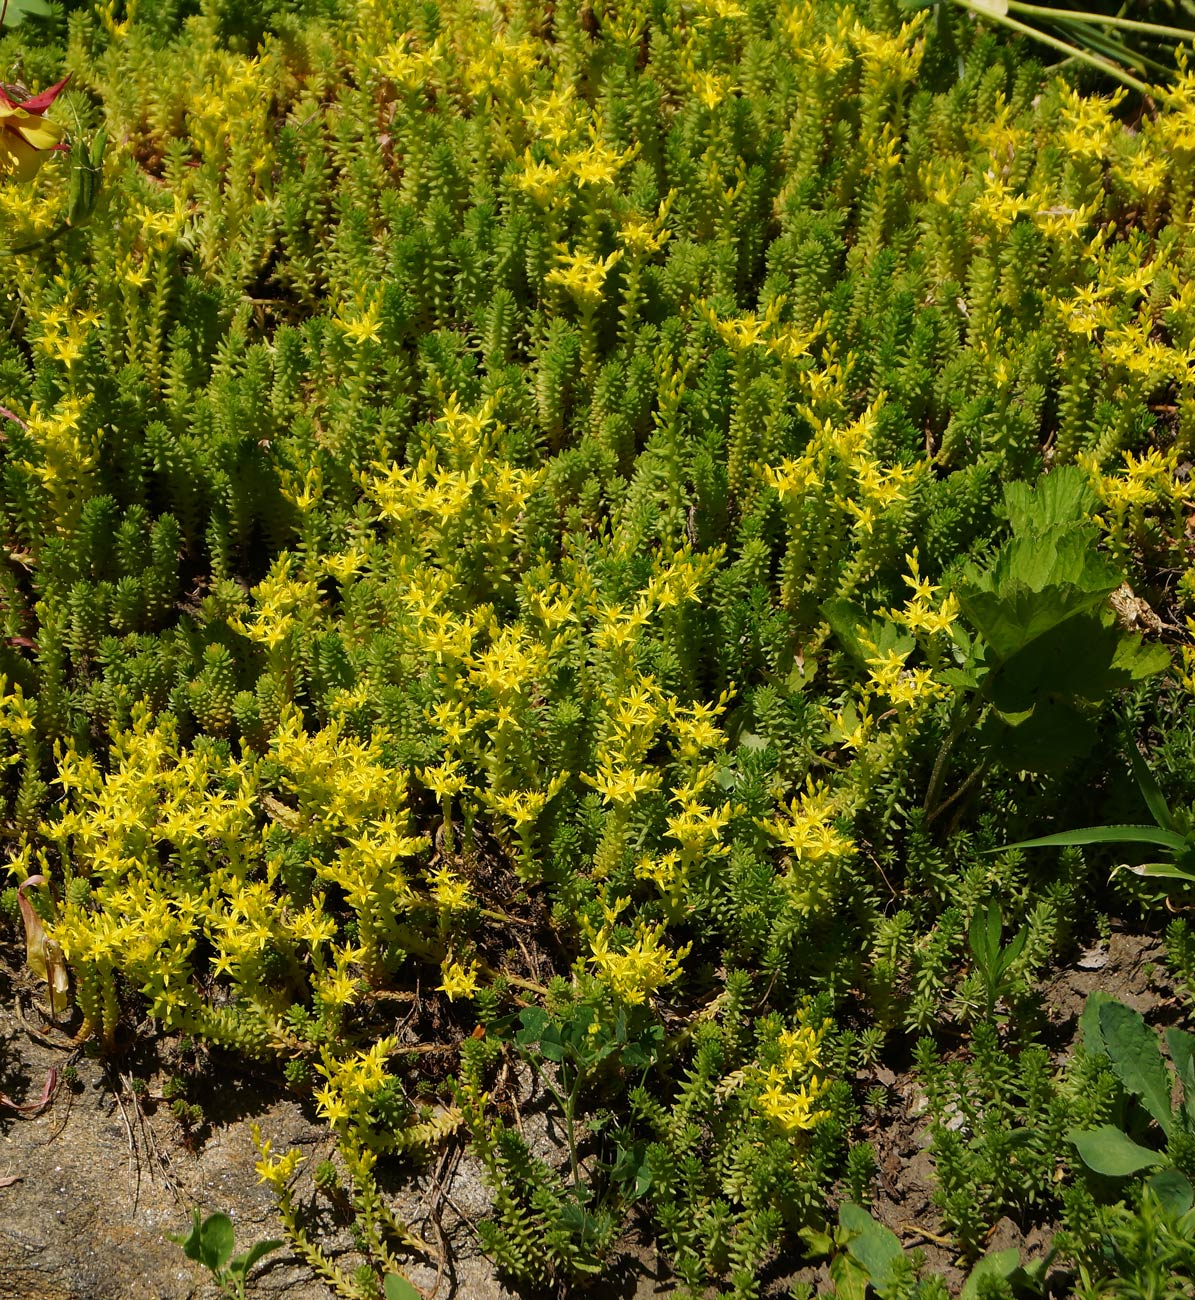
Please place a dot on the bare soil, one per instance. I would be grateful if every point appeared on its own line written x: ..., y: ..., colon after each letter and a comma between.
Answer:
x: 91, y: 1185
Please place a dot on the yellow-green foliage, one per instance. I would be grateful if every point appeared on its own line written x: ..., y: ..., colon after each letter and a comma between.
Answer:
x: 426, y: 472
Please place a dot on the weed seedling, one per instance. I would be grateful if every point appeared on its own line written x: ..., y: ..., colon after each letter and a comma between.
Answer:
x: 210, y: 1243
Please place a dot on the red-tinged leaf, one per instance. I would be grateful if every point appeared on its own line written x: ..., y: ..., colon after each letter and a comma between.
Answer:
x: 9, y: 415
x: 43, y: 99
x: 43, y: 955
x: 35, y: 934
x: 32, y: 1108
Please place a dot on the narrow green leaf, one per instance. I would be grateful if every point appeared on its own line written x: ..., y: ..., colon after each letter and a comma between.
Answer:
x: 1137, y: 1059
x: 243, y: 1263
x: 1109, y: 1151
x: 1102, y: 835
x: 1014, y: 948
x: 995, y: 927
x: 983, y: 949
x: 191, y: 1241
x: 1182, y: 1053
x: 1155, y: 800
x: 1158, y: 870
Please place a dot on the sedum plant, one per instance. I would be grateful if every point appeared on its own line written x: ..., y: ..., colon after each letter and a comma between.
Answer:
x: 505, y: 513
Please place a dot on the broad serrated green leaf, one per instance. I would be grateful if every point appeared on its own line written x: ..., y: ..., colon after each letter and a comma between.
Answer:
x: 1059, y: 567
x: 1011, y: 616
x: 1090, y: 1034
x: 1014, y: 717
x: 1053, y: 735
x: 1137, y: 1060
x: 1082, y: 658
x: 1138, y: 661
x: 1056, y: 500
x: 1107, y: 1150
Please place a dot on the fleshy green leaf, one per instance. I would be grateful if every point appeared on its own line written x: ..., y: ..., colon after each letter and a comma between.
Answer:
x: 876, y: 1247
x: 19, y: 10
x: 243, y: 1263
x: 999, y: 1264
x: 398, y: 1288
x: 216, y: 1241
x: 1172, y: 1189
x: 1109, y: 1151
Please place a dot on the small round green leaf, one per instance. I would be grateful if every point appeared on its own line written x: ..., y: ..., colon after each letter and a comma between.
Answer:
x: 398, y: 1288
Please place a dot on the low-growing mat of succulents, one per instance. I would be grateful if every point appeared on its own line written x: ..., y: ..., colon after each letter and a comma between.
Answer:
x: 638, y: 554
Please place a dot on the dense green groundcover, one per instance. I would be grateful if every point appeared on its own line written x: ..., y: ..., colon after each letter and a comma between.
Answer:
x: 594, y: 526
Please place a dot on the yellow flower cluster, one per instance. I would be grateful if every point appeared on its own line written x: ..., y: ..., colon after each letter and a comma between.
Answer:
x: 353, y: 1080
x: 458, y: 981
x: 275, y: 1171
x: 635, y: 971
x: 790, y: 1088
x: 810, y: 832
